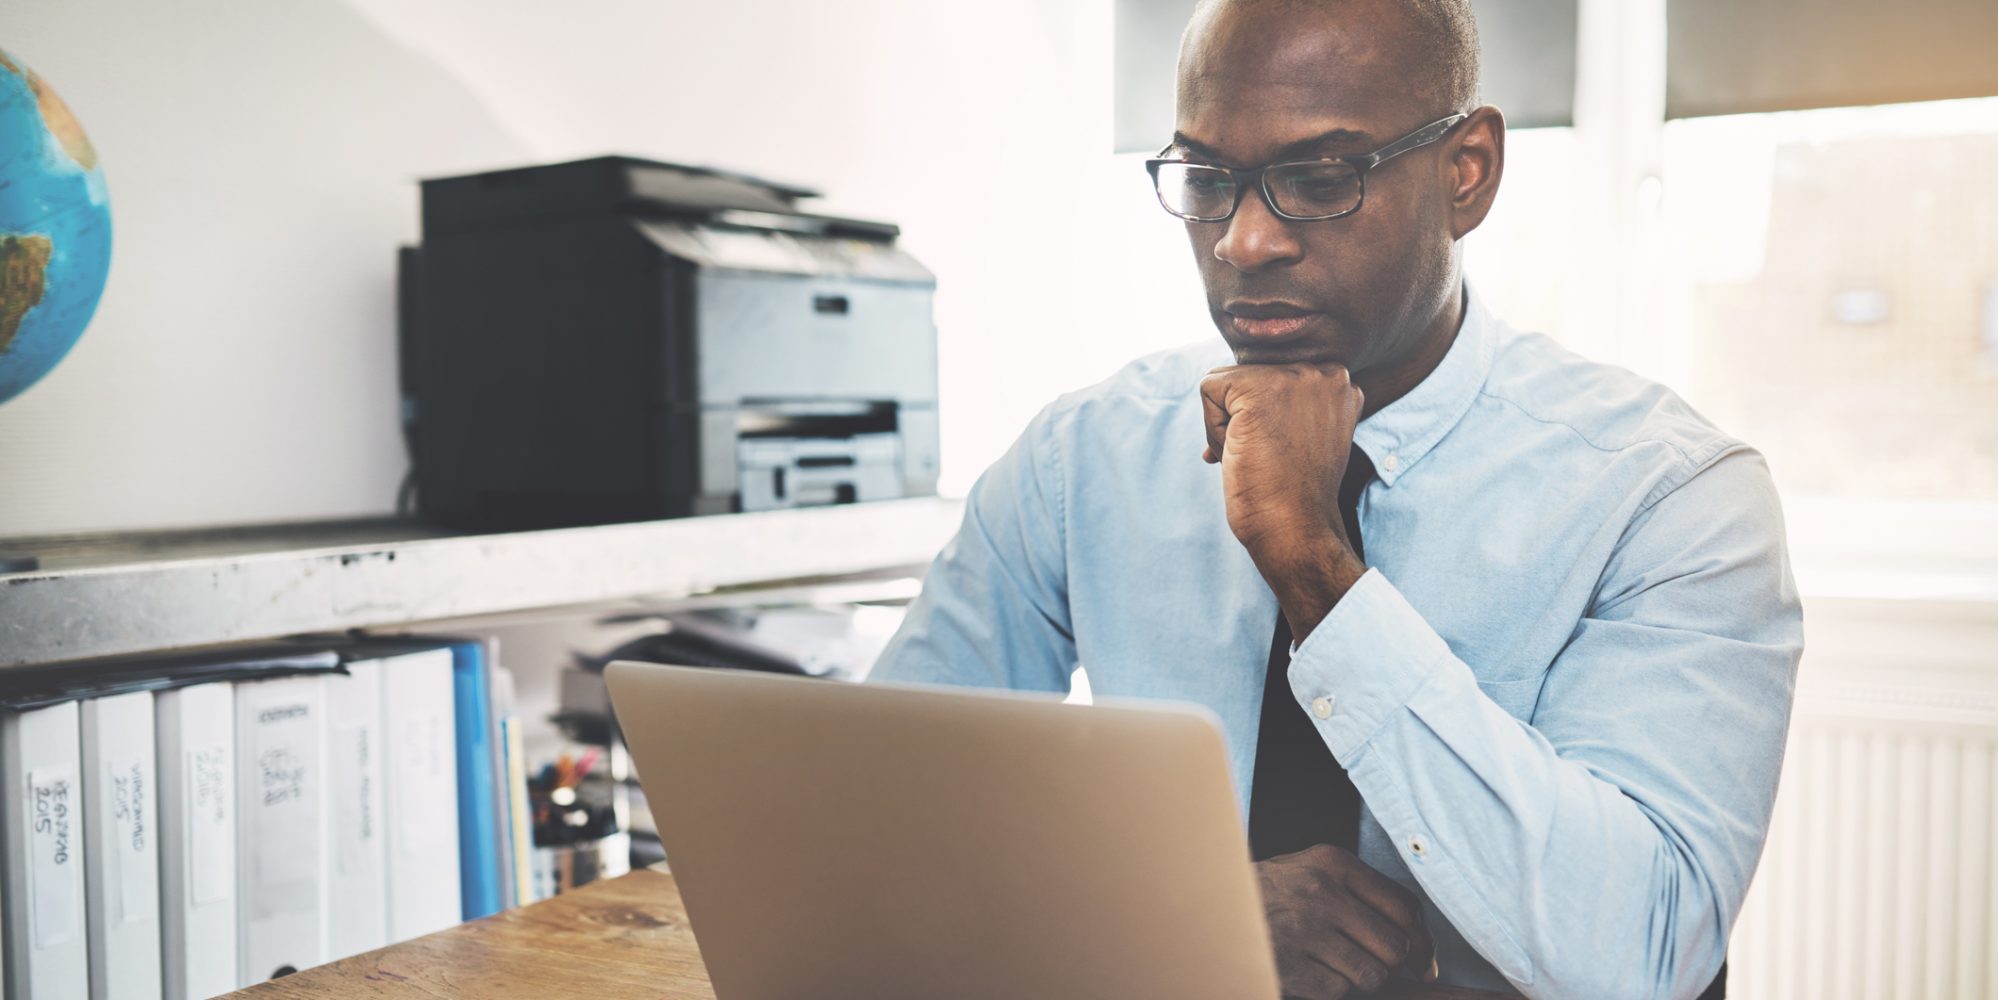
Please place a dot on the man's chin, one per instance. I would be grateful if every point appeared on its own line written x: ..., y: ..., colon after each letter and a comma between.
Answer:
x: 1303, y: 353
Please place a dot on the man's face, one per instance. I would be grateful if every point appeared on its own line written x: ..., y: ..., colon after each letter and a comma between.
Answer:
x: 1257, y: 85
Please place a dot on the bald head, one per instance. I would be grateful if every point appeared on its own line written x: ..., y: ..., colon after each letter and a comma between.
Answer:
x: 1265, y: 82
x: 1435, y: 41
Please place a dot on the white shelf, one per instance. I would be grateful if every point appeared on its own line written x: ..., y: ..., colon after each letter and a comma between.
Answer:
x: 109, y: 595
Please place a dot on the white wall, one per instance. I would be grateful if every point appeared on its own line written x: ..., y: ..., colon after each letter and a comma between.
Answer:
x: 261, y: 159
x: 241, y: 366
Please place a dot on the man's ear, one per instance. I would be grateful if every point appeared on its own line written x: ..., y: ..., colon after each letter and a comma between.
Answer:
x: 1476, y: 162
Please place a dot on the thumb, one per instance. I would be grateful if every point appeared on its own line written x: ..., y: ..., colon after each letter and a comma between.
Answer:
x: 1215, y: 416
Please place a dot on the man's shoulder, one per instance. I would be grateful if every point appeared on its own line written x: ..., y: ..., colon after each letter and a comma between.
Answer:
x: 1608, y: 408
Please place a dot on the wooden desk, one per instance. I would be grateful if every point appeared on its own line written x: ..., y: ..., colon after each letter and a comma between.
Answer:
x: 625, y: 937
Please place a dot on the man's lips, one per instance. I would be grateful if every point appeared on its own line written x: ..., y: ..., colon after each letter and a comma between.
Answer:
x: 1270, y: 329
x: 1268, y: 320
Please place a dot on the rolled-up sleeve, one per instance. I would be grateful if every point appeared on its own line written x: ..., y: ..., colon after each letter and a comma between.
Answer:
x: 994, y: 608
x: 1603, y: 850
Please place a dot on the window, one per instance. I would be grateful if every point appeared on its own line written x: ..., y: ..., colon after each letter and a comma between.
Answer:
x: 1832, y: 276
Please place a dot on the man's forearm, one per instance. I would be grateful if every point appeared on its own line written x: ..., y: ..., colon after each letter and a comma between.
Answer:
x: 1543, y: 859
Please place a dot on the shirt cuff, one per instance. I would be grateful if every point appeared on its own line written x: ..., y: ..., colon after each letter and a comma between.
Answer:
x: 1364, y: 662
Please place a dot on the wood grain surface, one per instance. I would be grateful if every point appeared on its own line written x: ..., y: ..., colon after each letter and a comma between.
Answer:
x: 624, y: 937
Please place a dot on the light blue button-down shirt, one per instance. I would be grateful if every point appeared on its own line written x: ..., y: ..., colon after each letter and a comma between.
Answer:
x: 1562, y: 688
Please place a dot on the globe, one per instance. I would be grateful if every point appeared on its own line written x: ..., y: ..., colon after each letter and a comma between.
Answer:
x: 55, y: 229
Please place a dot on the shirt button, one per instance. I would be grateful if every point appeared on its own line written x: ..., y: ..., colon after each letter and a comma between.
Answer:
x: 1417, y: 847
x: 1321, y: 706
x: 1391, y: 463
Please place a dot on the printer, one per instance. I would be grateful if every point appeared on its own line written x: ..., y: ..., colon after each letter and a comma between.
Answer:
x: 620, y: 339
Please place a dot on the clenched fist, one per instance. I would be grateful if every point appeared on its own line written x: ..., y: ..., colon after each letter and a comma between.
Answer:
x: 1281, y: 434
x: 1340, y: 927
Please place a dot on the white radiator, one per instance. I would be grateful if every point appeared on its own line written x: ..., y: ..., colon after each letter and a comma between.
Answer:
x: 1880, y: 879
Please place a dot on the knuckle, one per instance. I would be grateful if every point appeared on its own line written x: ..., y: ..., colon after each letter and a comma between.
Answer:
x: 1370, y: 977
x: 1339, y: 984
x: 1296, y: 970
x: 1322, y: 881
x: 1398, y: 948
x: 1304, y: 977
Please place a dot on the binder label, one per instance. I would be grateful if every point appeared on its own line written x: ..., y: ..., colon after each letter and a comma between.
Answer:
x: 354, y: 811
x: 425, y: 770
x: 210, y: 868
x: 287, y: 842
x: 54, y: 879
x: 131, y: 837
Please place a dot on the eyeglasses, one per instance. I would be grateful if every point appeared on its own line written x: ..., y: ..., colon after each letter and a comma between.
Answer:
x: 1298, y: 190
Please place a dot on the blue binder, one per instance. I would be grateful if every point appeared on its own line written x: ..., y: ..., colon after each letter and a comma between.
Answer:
x: 478, y: 785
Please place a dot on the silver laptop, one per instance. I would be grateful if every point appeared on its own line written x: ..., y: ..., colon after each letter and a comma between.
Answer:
x: 842, y: 840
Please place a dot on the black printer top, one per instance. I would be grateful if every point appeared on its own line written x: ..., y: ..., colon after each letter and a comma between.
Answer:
x: 620, y: 185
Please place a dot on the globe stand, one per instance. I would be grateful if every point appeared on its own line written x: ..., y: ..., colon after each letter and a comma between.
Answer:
x: 18, y: 562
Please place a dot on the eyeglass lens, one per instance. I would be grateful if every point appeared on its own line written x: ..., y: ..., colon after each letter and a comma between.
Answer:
x: 1306, y: 190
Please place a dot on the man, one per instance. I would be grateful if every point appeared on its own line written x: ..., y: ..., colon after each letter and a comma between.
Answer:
x: 1520, y: 721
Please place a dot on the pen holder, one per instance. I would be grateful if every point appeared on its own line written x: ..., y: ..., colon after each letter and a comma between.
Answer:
x: 570, y: 866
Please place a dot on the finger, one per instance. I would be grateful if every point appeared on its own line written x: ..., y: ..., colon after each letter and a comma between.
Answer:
x: 1305, y: 978
x: 1396, y: 903
x: 1214, y: 413
x: 1383, y: 939
x: 1339, y: 952
x: 1355, y: 398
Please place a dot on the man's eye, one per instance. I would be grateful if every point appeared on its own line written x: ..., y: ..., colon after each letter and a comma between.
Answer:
x: 1205, y: 181
x: 1321, y: 189
x: 1320, y: 186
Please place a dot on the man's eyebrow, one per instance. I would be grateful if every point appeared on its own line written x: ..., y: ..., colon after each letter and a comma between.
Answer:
x: 1317, y: 145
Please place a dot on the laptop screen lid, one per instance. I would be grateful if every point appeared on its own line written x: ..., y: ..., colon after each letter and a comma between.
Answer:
x: 833, y: 839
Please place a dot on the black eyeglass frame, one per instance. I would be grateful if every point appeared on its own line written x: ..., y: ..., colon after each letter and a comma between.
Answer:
x: 1246, y: 177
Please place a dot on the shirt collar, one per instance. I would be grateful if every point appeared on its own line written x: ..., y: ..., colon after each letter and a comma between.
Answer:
x: 1401, y: 433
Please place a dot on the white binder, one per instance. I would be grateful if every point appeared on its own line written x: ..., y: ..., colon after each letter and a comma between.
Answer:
x: 281, y: 864
x: 41, y: 836
x: 357, y: 905
x: 197, y: 766
x: 121, y: 826
x: 418, y: 709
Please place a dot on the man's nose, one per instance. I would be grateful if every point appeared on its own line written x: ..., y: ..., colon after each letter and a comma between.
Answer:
x: 1257, y: 238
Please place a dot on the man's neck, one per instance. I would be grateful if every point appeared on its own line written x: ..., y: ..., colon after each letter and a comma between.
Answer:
x: 1389, y: 382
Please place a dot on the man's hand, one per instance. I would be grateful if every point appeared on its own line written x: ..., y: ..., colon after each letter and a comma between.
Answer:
x: 1282, y: 434
x: 1339, y: 926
